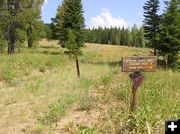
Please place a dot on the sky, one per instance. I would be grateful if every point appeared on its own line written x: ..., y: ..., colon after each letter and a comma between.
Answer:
x: 104, y: 13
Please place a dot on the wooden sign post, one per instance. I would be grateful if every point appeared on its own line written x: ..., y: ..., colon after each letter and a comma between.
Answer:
x: 136, y: 65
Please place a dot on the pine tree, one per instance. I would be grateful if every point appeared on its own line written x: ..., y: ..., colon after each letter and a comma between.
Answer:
x: 14, y: 16
x: 127, y: 35
x: 123, y: 40
x: 134, y: 33
x: 117, y: 41
x: 56, y: 24
x: 140, y: 38
x: 72, y: 26
x: 170, y: 33
x: 152, y: 22
x: 33, y: 24
x: 2, y: 27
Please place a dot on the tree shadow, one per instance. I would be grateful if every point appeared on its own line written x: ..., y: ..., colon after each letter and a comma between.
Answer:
x: 109, y: 63
x: 49, y: 47
x: 50, y: 53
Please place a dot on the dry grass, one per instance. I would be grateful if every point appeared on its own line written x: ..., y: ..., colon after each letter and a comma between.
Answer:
x: 112, y: 53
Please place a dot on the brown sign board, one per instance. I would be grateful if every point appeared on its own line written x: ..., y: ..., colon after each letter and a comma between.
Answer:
x: 139, y: 63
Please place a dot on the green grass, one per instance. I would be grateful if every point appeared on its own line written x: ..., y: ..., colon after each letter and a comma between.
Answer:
x: 16, y: 66
x: 158, y: 101
x: 86, y: 130
x: 57, y: 110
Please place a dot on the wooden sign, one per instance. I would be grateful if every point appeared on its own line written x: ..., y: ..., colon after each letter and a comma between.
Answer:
x: 139, y: 64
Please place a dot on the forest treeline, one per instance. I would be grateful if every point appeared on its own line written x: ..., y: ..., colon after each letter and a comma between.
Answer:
x: 117, y: 36
x: 113, y: 36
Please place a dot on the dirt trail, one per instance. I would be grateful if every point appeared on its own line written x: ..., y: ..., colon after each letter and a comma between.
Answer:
x: 75, y: 118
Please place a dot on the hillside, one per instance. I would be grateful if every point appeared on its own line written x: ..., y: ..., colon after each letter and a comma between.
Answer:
x: 40, y: 92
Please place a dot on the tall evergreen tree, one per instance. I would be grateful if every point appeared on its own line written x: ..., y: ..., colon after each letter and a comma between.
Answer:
x: 14, y: 15
x: 140, y: 38
x: 2, y: 26
x: 33, y: 22
x: 72, y: 28
x: 56, y: 24
x: 127, y: 36
x: 117, y: 40
x: 123, y: 42
x: 134, y: 33
x: 170, y: 32
x: 151, y: 23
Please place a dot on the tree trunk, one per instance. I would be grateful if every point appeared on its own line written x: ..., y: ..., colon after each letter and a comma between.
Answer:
x: 77, y: 66
x: 154, y: 45
x: 11, y: 39
x: 11, y: 47
x: 29, y: 35
x: 166, y: 61
x: 155, y: 51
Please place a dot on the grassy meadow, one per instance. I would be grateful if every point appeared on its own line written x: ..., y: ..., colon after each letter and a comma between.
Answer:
x: 41, y: 94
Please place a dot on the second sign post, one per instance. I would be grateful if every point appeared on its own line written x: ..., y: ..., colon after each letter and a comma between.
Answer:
x: 137, y: 65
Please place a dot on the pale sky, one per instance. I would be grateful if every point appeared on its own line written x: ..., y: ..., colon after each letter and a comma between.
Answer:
x: 104, y: 12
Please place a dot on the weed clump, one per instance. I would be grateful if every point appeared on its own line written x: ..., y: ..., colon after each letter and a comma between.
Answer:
x: 42, y: 69
x: 86, y: 103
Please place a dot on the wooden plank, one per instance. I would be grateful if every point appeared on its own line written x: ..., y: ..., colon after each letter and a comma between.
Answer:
x: 139, y: 63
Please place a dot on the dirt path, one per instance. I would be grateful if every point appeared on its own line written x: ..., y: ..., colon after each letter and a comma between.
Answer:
x: 76, y: 118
